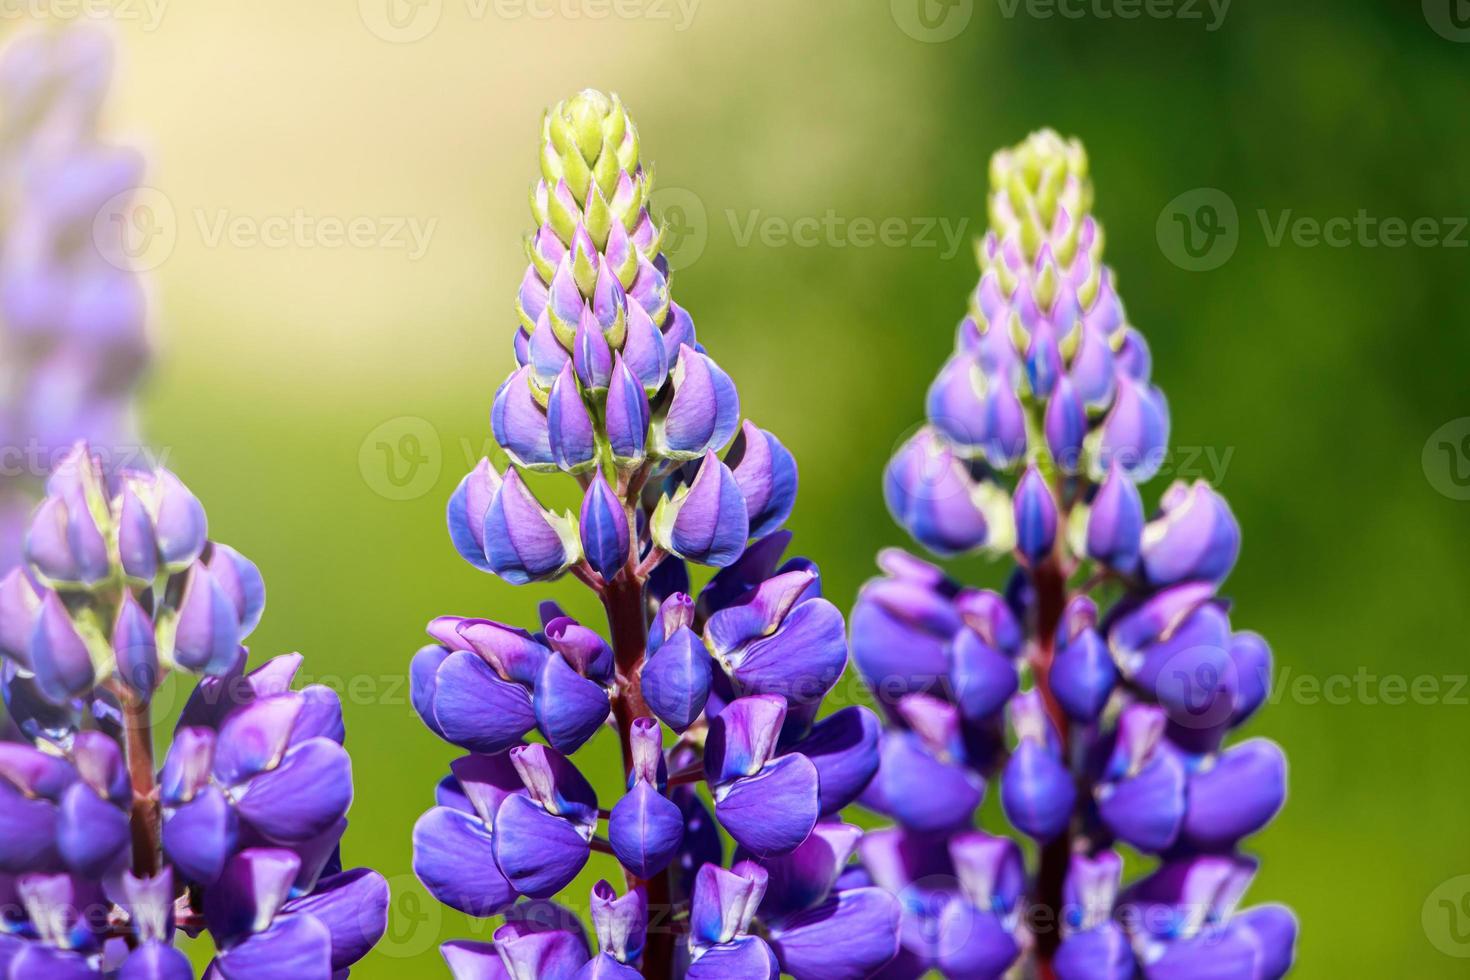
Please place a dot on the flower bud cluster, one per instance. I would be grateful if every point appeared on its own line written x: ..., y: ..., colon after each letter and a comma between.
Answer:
x: 715, y: 693
x: 103, y: 856
x: 1100, y: 692
x: 73, y: 338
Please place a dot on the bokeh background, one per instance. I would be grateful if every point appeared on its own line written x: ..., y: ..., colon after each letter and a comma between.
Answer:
x: 323, y: 400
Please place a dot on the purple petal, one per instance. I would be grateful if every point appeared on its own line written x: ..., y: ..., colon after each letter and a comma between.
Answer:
x: 179, y: 522
x: 20, y: 604
x: 743, y: 737
x: 295, y: 946
x: 59, y: 656
x: 848, y: 937
x: 521, y: 542
x: 974, y: 943
x: 520, y: 424
x: 569, y: 424
x: 1102, y: 953
x: 801, y: 661
x: 242, y: 582
x: 705, y: 523
x: 931, y: 495
x: 1115, y: 522
x: 466, y: 512
x: 1136, y: 431
x: 353, y: 905
x: 569, y: 708
x: 454, y: 857
x: 538, y: 852
x: 627, y: 414
x: 136, y: 648
x: 92, y: 834
x: 423, y: 684
x: 705, y: 409
x: 645, y: 830
x: 1236, y: 796
x: 1273, y: 930
x: 922, y: 792
x: 984, y: 679
x: 844, y: 748
x: 1146, y: 809
x: 255, y: 738
x: 1036, y: 791
x: 478, y: 710
x: 247, y: 896
x: 747, y: 958
x: 773, y: 811
x: 208, y: 631
x: 156, y: 961
x: 474, y: 961
x: 766, y: 473
x: 604, y: 529
x: 804, y: 878
x: 621, y: 922
x: 724, y: 902
x: 1197, y: 538
x: 676, y: 679
x: 137, y: 547
x: 303, y: 796
x: 200, y: 835
x: 27, y: 832
x: 514, y: 654
x: 1036, y: 516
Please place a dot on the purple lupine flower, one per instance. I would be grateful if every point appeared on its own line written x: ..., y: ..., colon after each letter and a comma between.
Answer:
x: 237, y: 832
x: 1101, y: 690
x: 73, y: 339
x: 716, y: 695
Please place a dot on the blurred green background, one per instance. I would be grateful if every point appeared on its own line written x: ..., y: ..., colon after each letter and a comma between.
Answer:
x: 1311, y: 380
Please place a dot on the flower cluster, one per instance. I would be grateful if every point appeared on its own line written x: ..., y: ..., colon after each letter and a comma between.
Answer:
x: 721, y: 688
x: 72, y: 312
x: 1101, y: 689
x: 102, y: 858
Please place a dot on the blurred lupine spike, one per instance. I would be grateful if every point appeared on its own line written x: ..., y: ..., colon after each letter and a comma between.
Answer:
x: 1111, y: 652
x: 73, y: 333
x: 613, y: 390
x: 247, y: 810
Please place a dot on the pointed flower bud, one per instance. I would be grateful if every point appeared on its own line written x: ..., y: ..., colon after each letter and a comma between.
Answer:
x: 59, y: 655
x: 1114, y: 522
x: 626, y: 417
x: 766, y: 473
x: 707, y: 521
x: 523, y: 541
x: 604, y: 529
x: 520, y: 424
x: 468, y: 507
x: 1196, y: 537
x: 932, y: 494
x: 569, y: 425
x: 1036, y: 790
x: 1036, y: 516
x: 704, y: 410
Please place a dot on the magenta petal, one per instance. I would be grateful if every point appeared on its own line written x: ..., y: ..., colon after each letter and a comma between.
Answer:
x: 773, y: 811
x: 538, y: 852
x: 454, y: 856
x: 848, y: 937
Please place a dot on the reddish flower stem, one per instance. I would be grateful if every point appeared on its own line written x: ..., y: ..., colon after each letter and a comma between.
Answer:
x: 628, y: 626
x: 146, y: 817
x: 1050, y: 582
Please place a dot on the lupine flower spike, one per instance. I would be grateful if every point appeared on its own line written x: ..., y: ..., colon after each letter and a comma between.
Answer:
x: 1101, y: 691
x: 106, y: 854
x: 72, y: 311
x: 715, y: 698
